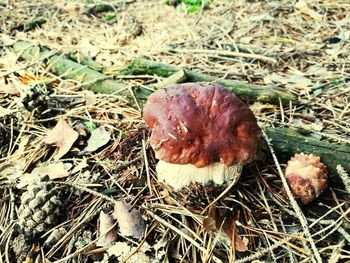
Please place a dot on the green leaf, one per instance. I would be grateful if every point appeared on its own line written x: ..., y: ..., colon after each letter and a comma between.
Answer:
x: 122, y: 134
x: 335, y: 82
x: 193, y: 9
x: 89, y: 126
x: 109, y: 16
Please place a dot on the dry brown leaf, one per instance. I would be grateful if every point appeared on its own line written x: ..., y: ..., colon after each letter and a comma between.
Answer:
x: 130, y: 221
x: 80, y: 166
x: 107, y: 232
x: 99, y: 137
x: 209, y: 224
x: 129, y: 254
x: 28, y: 79
x: 216, y: 221
x: 53, y: 170
x: 258, y: 107
x: 63, y: 136
x: 237, y: 242
x: 304, y: 9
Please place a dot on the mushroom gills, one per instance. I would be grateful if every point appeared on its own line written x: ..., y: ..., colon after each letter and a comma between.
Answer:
x: 181, y: 175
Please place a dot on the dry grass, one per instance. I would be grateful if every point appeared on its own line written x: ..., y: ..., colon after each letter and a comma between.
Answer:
x: 262, y: 42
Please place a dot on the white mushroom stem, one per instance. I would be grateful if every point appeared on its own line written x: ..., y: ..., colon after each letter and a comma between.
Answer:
x: 181, y: 175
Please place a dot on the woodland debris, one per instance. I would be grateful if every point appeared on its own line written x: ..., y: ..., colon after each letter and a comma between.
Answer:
x: 287, y: 142
x: 63, y: 136
x: 249, y: 92
x: 131, y: 223
x: 68, y: 69
x: 102, y: 83
x: 107, y: 233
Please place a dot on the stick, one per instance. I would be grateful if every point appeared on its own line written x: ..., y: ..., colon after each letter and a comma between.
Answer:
x: 68, y: 69
x: 316, y: 257
x: 101, y: 83
x: 248, y: 92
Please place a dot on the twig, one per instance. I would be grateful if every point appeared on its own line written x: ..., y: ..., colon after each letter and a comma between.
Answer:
x: 147, y: 167
x: 316, y: 255
x: 179, y: 232
x: 227, y: 53
x: 82, y: 188
x: 260, y: 253
x: 344, y: 177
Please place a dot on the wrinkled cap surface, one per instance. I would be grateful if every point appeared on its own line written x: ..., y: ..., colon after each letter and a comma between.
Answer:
x: 307, y: 176
x: 200, y: 124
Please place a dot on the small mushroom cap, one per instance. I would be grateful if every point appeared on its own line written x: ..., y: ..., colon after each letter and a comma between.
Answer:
x: 200, y: 124
x: 307, y: 177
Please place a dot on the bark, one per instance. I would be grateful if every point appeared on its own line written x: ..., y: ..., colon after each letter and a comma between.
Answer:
x: 68, y: 69
x: 286, y: 142
x: 247, y: 92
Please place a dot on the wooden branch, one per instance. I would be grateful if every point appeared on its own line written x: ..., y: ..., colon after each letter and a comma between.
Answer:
x: 247, y: 92
x: 68, y: 69
x: 286, y: 142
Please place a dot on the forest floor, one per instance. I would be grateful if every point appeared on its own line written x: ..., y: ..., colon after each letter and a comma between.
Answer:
x: 94, y: 147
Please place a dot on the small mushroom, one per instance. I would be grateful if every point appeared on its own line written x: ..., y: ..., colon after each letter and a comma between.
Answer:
x: 307, y: 177
x: 201, y: 133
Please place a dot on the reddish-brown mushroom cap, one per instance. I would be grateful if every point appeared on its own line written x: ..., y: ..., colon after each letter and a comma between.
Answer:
x: 200, y: 124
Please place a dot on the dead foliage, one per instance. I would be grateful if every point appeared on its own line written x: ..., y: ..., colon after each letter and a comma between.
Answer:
x: 47, y: 121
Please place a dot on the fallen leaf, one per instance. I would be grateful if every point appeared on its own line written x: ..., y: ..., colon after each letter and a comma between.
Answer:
x: 90, y: 97
x: 130, y: 221
x: 85, y: 241
x: 28, y: 178
x: 161, y: 248
x: 53, y: 170
x: 209, y: 224
x: 12, y: 171
x: 304, y: 9
x: 63, y: 136
x: 81, y: 165
x: 30, y: 79
x: 126, y: 253
x: 237, y: 242
x: 88, y: 48
x: 7, y: 40
x: 293, y: 79
x: 315, y: 125
x: 225, y: 223
x: 107, y: 232
x: 99, y: 137
x: 259, y: 108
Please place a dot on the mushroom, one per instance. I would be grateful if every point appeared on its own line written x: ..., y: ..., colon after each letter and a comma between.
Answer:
x: 201, y: 133
x: 307, y: 177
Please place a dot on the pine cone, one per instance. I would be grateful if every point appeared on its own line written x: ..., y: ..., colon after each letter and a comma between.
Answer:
x: 39, y: 210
